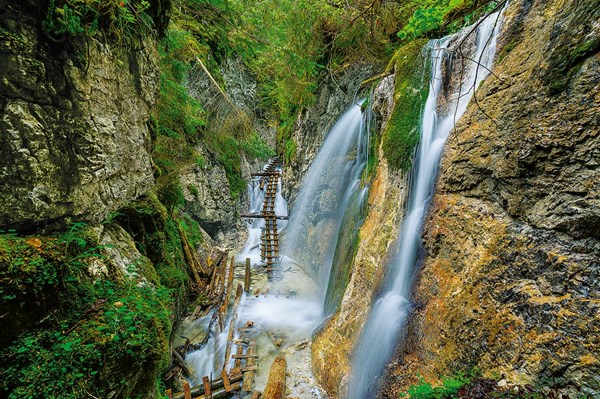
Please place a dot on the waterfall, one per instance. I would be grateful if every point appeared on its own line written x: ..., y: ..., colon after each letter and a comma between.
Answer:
x: 445, y: 104
x: 326, y: 190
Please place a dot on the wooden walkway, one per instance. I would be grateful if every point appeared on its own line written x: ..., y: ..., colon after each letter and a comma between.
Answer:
x: 244, y: 362
x: 240, y: 377
x: 269, y: 246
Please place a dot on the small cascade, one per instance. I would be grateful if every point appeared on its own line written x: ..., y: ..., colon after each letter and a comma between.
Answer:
x: 326, y: 190
x: 453, y: 82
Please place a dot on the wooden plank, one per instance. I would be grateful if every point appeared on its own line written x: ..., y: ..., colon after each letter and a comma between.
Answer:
x: 231, y: 270
x: 186, y: 391
x: 207, y: 388
x: 230, y: 338
x: 221, y: 323
x: 247, y: 276
x: 248, y: 382
x: 238, y: 361
x: 222, y: 393
x: 226, y: 382
x: 169, y: 394
x: 198, y: 391
x: 246, y: 356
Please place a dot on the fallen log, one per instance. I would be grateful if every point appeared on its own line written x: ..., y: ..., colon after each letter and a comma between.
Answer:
x: 275, y: 388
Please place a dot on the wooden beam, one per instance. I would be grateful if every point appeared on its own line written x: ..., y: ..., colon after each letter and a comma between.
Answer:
x: 198, y: 390
x: 226, y: 382
x: 247, y: 276
x: 206, y: 385
x: 248, y: 382
x: 246, y: 356
x: 259, y: 216
x: 186, y: 391
x: 275, y: 388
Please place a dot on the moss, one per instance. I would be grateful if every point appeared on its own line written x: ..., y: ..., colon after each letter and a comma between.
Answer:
x: 70, y: 334
x: 401, y: 134
x: 290, y: 151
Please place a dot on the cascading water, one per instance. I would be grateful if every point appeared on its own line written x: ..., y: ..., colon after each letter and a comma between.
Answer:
x: 326, y: 190
x: 389, y: 314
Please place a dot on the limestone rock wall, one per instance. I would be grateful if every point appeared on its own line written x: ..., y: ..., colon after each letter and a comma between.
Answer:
x: 74, y: 140
x: 510, y: 284
x: 206, y: 188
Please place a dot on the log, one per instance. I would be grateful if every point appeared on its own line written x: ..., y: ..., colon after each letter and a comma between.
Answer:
x: 248, y: 382
x: 206, y: 385
x: 169, y: 394
x: 189, y: 254
x: 238, y: 296
x: 230, y: 338
x: 226, y: 382
x: 247, y: 276
x: 275, y: 388
x: 231, y: 270
x: 181, y: 363
x: 221, y: 393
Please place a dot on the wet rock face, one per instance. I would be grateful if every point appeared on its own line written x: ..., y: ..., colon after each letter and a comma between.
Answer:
x: 510, y: 284
x: 208, y: 199
x: 73, y: 117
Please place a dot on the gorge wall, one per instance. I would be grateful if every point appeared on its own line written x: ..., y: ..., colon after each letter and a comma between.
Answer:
x: 75, y: 142
x: 510, y: 281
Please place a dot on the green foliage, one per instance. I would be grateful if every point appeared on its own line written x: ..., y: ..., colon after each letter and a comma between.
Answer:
x: 422, y: 21
x: 449, y: 388
x: 192, y: 230
x: 290, y: 149
x: 256, y: 148
x: 401, y: 134
x: 443, y: 15
x: 67, y: 333
x: 120, y: 19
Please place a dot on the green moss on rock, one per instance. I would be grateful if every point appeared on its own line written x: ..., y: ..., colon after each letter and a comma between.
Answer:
x: 401, y: 134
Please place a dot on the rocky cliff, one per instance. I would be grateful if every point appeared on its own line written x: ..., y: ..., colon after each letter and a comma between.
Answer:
x: 510, y: 282
x: 75, y: 143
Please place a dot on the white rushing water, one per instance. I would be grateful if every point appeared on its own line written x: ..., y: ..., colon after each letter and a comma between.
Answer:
x: 389, y: 313
x: 326, y: 189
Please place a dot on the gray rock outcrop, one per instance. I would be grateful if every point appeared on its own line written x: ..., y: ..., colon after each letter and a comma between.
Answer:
x: 74, y: 141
